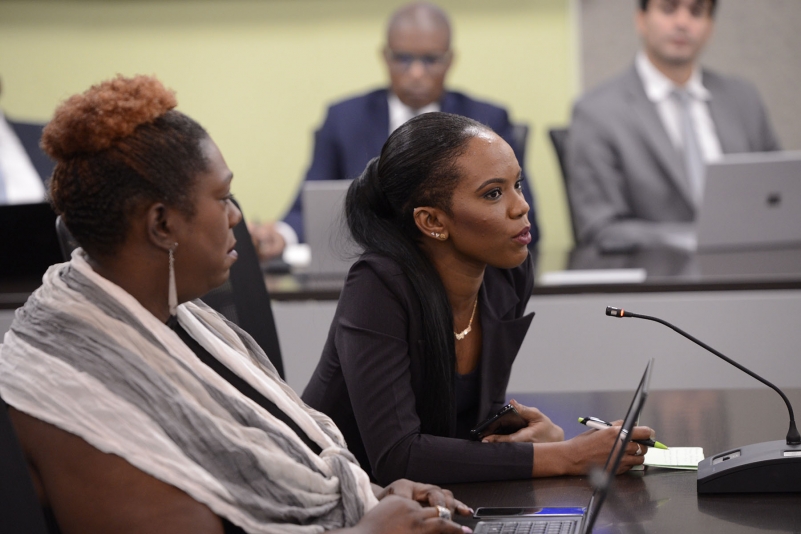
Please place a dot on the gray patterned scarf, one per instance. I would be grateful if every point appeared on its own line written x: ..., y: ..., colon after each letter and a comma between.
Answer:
x: 85, y: 356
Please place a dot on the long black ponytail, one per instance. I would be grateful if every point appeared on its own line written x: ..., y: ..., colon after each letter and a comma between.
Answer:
x: 417, y: 167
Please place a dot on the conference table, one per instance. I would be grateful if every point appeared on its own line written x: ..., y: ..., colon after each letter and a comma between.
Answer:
x: 662, y: 500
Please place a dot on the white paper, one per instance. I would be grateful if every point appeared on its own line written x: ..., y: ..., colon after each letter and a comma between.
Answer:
x: 592, y: 276
x: 675, y: 457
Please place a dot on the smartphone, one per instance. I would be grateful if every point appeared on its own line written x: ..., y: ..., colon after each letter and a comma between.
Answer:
x: 485, y: 512
x: 506, y: 421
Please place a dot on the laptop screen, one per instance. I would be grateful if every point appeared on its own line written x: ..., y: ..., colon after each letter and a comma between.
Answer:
x: 602, y: 480
x: 326, y: 231
x: 751, y: 201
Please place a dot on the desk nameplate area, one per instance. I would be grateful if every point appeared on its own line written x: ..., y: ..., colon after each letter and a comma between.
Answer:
x: 669, y: 270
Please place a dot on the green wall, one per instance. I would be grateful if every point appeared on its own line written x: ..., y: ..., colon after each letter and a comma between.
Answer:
x: 259, y: 74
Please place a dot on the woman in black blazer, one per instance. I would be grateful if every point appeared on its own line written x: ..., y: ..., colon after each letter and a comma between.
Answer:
x: 431, y: 317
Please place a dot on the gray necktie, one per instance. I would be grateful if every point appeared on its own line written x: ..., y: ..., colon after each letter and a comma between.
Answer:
x: 693, y: 158
x: 3, y: 196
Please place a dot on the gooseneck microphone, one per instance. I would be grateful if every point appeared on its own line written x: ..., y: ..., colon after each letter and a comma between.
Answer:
x: 773, y: 466
x: 793, y: 438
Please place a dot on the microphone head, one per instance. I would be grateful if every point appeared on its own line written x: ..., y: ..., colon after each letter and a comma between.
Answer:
x: 614, y: 312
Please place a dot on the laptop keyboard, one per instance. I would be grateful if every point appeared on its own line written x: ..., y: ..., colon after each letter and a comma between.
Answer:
x: 526, y: 527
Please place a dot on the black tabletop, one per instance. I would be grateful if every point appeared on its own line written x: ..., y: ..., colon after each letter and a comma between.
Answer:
x: 662, y: 500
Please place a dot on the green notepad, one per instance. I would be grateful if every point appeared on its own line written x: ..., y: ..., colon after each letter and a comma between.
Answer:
x: 675, y: 458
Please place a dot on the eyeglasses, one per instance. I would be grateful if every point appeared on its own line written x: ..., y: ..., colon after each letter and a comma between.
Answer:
x: 402, y: 61
x: 698, y: 8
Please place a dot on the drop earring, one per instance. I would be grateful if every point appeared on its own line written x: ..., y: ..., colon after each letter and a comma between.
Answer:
x: 172, y: 295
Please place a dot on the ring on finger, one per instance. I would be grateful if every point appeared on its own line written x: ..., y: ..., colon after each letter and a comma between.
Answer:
x: 443, y: 513
x: 639, y: 450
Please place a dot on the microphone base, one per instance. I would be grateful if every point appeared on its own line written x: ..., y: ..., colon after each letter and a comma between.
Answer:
x: 769, y: 467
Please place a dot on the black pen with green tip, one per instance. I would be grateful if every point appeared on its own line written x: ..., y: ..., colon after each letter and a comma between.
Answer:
x: 600, y: 424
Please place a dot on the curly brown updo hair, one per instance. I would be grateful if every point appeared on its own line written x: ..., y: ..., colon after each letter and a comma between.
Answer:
x: 120, y: 146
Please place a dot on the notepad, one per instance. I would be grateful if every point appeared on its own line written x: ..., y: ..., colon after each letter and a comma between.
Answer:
x: 675, y: 458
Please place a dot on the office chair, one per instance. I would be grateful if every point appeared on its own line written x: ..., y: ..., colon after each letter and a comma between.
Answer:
x: 243, y: 299
x: 65, y: 239
x: 559, y: 141
x: 519, y: 138
x: 20, y: 510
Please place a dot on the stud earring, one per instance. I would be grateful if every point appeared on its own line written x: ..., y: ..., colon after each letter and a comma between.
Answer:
x: 435, y: 234
x: 172, y: 293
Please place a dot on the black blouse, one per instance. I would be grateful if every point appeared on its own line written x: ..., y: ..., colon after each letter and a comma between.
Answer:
x: 468, y: 390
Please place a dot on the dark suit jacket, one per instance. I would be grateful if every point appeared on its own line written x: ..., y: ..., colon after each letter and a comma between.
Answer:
x: 355, y: 130
x: 30, y: 135
x: 370, y: 375
x: 627, y: 184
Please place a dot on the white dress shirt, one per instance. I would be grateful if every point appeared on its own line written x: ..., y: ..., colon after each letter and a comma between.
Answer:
x: 400, y: 112
x: 20, y: 179
x: 658, y: 88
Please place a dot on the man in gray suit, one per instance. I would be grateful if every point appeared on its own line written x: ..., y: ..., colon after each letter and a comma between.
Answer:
x: 638, y: 143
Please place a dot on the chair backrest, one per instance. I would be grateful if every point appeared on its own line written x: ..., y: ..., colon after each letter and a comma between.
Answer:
x: 559, y: 140
x: 243, y: 299
x: 20, y: 510
x: 520, y: 132
x: 65, y: 239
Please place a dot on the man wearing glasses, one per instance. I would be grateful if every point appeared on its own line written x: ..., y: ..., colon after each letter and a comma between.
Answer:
x: 418, y: 56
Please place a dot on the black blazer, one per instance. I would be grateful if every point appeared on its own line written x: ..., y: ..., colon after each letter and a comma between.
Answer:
x: 30, y: 135
x: 370, y: 376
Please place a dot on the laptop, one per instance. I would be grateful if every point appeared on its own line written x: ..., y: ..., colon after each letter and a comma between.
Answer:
x: 751, y: 201
x: 571, y: 520
x: 28, y: 240
x: 332, y: 248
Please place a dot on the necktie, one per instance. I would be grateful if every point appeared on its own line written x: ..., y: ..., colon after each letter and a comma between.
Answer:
x: 693, y: 158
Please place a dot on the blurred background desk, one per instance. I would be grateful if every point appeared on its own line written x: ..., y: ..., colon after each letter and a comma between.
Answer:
x: 663, y: 500
x: 745, y: 304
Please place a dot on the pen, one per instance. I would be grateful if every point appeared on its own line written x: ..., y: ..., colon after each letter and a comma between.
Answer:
x: 600, y: 424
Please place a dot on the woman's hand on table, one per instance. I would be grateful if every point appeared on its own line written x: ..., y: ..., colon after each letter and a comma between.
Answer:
x: 540, y: 429
x: 425, y: 494
x: 395, y: 514
x: 590, y: 449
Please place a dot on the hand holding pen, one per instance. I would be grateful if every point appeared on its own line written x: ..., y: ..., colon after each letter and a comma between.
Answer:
x: 600, y: 424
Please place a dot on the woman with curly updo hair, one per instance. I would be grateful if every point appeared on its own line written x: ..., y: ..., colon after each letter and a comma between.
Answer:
x: 139, y: 408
